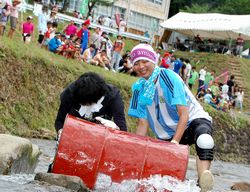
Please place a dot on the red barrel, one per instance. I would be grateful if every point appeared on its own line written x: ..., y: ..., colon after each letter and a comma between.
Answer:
x: 87, y: 149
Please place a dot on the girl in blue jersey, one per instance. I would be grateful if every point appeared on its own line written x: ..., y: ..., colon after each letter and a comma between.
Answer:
x: 163, y: 102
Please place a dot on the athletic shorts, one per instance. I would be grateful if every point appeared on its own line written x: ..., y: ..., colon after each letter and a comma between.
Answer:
x: 40, y: 39
x: 196, y: 128
x: 13, y: 22
x: 26, y: 37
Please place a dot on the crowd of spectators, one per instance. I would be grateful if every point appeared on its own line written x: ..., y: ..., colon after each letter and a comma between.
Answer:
x: 209, y: 45
x: 222, y: 96
x: 98, y: 49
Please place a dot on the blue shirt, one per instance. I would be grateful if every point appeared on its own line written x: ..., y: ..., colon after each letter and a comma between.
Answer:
x: 177, y: 66
x: 162, y: 115
x: 54, y: 43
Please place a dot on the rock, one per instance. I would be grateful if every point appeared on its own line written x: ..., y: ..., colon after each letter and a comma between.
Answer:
x: 69, y: 182
x: 17, y: 155
x: 241, y: 186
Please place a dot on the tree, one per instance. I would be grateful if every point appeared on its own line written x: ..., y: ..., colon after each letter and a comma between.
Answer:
x: 196, y: 8
x: 239, y: 7
x: 92, y: 4
x: 65, y: 6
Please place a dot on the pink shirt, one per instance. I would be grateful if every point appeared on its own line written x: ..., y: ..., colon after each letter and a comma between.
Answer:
x: 71, y: 29
x: 28, y: 27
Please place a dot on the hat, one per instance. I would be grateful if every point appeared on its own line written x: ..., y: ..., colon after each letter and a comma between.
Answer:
x: 209, y: 89
x: 87, y: 22
x: 29, y: 17
x: 143, y: 52
x: 167, y: 54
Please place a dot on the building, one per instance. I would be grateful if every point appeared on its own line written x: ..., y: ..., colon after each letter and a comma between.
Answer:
x: 140, y: 15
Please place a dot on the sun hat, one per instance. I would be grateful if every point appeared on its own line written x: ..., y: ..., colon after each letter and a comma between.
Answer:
x: 143, y: 52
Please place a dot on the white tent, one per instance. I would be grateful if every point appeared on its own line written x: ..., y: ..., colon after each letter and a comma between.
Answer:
x: 213, y: 25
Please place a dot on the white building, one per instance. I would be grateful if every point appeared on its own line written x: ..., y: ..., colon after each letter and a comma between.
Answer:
x: 140, y: 15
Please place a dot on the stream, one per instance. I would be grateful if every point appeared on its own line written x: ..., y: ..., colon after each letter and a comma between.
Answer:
x: 226, y: 174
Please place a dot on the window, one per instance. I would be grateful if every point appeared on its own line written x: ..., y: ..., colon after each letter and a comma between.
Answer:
x: 158, y: 2
x: 143, y: 22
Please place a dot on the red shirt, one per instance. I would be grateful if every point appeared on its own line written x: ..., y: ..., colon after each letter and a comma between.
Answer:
x: 79, y: 33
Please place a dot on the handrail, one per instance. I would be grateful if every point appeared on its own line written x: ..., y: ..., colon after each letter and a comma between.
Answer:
x: 94, y: 25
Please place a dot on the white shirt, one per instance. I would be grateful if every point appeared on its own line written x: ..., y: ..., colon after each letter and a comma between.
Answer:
x: 188, y: 68
x: 239, y: 96
x: 202, y: 74
x: 225, y: 89
x: 122, y: 26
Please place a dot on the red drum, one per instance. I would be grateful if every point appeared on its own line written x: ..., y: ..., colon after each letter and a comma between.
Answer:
x: 86, y: 149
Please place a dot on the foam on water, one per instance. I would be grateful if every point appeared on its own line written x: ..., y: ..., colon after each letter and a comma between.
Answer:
x: 152, y: 184
x: 17, y: 178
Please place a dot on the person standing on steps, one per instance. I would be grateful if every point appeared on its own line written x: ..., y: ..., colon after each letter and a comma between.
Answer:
x: 163, y: 102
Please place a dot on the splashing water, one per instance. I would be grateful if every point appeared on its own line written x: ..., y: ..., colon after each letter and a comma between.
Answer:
x: 18, y: 178
x: 155, y: 183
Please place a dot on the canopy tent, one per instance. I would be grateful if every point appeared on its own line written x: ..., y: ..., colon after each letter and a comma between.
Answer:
x: 213, y: 25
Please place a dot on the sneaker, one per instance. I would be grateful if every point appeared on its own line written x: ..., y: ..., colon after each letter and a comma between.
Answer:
x: 206, y: 181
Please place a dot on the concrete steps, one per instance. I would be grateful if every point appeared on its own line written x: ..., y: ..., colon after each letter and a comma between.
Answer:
x: 236, y: 71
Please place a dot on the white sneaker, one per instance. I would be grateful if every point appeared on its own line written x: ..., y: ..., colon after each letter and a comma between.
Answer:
x: 206, y: 181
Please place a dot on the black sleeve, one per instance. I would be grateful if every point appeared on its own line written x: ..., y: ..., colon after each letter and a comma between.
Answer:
x: 65, y: 107
x: 118, y: 112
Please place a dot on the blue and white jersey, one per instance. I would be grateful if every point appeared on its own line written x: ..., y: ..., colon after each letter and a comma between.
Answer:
x: 162, y: 115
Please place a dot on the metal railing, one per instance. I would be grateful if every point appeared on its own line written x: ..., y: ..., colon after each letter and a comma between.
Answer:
x: 94, y: 25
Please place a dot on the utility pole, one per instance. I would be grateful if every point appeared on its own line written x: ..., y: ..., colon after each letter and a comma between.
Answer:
x: 128, y: 11
x: 112, y: 9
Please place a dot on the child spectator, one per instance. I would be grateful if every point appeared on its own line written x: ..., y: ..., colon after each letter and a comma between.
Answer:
x: 200, y: 95
x: 106, y: 45
x: 28, y: 30
x: 239, y: 99
x: 42, y: 24
x: 46, y: 38
x: 13, y: 17
x: 55, y: 43
x: 126, y: 64
x: 84, y: 35
x: 4, y: 13
x: 53, y: 30
x: 102, y: 60
x: 87, y: 55
x: 188, y: 71
x: 96, y: 39
x: 209, y: 78
x: 208, y: 98
x: 117, y: 51
x: 215, y: 88
x: 70, y: 29
x: 202, y: 75
x: 193, y: 78
x: 166, y: 60
x: 176, y: 64
x: 53, y: 18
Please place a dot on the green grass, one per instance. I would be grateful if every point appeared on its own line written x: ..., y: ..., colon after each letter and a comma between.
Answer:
x: 31, y: 80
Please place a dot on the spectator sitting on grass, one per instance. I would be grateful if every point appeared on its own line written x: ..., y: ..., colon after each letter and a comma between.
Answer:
x: 126, y: 64
x: 102, y: 60
x: 55, y: 43
x: 87, y: 55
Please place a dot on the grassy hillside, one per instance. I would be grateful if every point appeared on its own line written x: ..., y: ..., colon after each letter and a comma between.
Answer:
x: 31, y: 80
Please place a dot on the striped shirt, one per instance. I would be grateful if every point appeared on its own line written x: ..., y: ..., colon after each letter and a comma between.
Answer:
x: 162, y: 115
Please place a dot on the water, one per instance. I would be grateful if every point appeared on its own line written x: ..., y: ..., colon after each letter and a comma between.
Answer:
x: 226, y: 174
